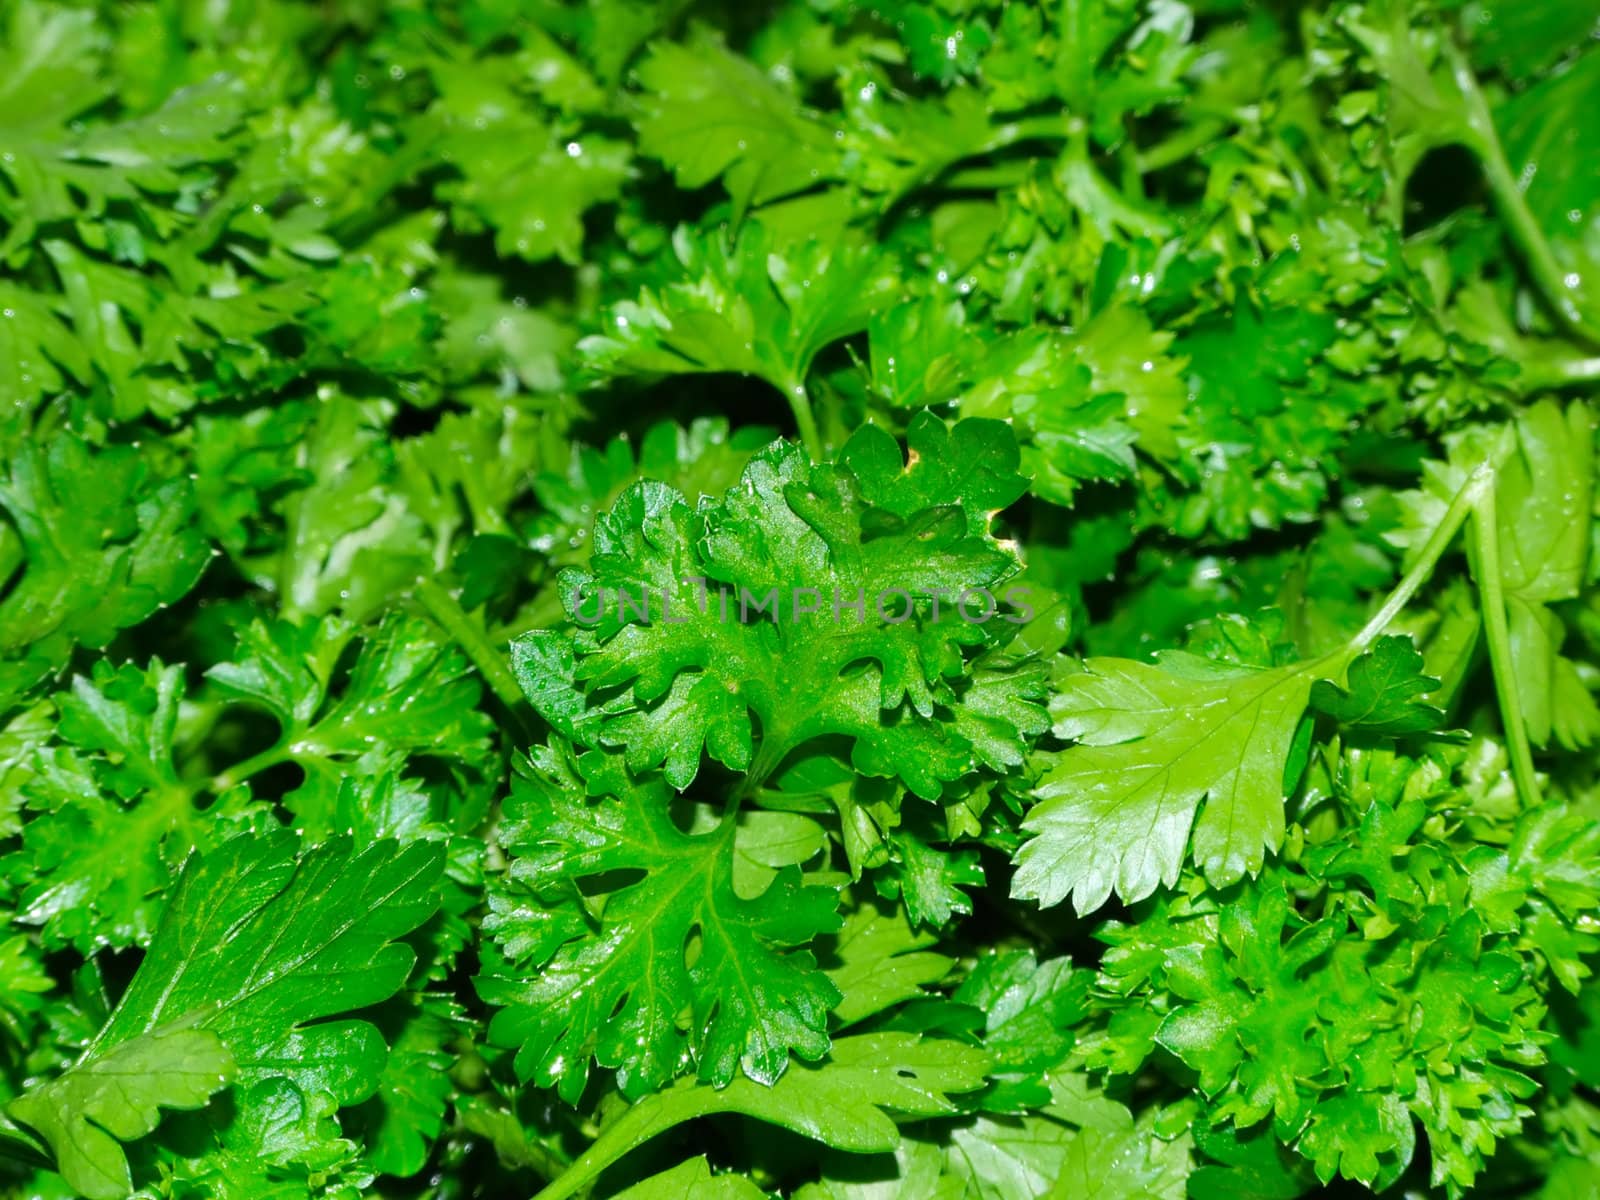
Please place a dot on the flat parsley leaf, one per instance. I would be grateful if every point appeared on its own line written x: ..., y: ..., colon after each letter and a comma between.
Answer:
x: 406, y: 696
x: 255, y: 945
x: 745, y: 304
x: 110, y: 820
x: 674, y: 968
x: 693, y: 1177
x: 709, y: 113
x: 1383, y: 691
x: 1115, y: 811
x: 106, y: 541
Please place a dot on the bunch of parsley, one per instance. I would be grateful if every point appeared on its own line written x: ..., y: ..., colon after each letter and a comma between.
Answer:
x: 842, y: 600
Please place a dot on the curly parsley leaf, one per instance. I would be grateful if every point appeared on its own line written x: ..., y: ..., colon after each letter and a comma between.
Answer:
x: 412, y: 1094
x: 435, y: 320
x: 742, y: 656
x: 1074, y: 424
x: 747, y: 305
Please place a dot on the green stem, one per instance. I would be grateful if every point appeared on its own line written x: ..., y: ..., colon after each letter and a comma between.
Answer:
x: 1090, y: 191
x: 1476, y: 499
x: 1512, y: 204
x: 294, y: 519
x: 946, y: 168
x: 772, y: 751
x: 1486, y: 541
x: 1478, y: 484
x: 254, y: 765
x: 447, y: 611
x: 1561, y: 372
x: 10, y: 553
x: 987, y: 178
x: 651, y: 1116
x: 805, y: 420
x: 1040, y: 127
x: 1181, y: 146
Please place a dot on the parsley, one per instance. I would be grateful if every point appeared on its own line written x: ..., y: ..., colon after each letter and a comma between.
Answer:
x: 815, y: 600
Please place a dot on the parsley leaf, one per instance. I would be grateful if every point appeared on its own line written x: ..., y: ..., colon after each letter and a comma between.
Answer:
x: 619, y: 550
x: 710, y: 114
x: 112, y: 821
x: 254, y: 945
x: 674, y: 939
x: 794, y: 541
x: 1153, y: 741
x: 1383, y: 692
x: 105, y: 543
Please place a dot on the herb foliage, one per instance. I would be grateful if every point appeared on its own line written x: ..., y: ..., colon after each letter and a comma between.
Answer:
x: 490, y: 495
